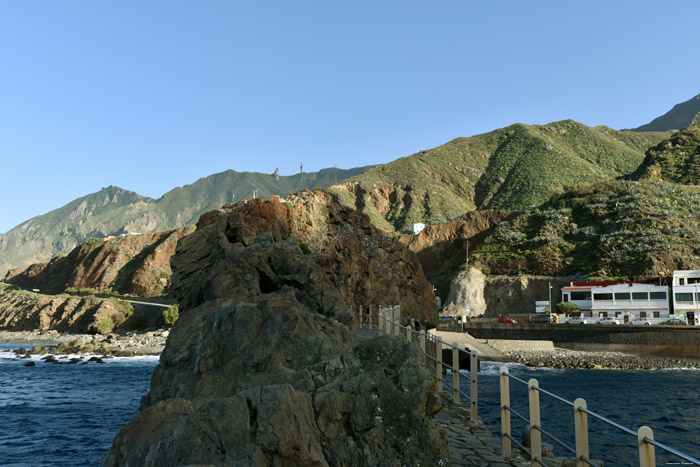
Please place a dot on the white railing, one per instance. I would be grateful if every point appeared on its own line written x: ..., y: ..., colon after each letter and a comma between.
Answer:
x: 431, y: 346
x: 644, y: 436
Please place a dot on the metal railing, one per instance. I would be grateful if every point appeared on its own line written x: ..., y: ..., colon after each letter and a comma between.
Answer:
x: 644, y: 436
x: 432, y: 347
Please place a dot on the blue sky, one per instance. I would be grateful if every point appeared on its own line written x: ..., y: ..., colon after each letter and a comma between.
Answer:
x: 153, y: 95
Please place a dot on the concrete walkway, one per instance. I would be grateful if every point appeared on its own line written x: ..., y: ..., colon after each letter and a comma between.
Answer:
x: 471, y: 444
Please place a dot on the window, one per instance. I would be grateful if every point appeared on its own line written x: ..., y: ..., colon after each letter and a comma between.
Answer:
x: 640, y: 296
x: 658, y: 295
x: 681, y: 281
x: 580, y: 295
x: 602, y: 296
x: 657, y: 314
x: 694, y: 280
x: 622, y: 296
x: 642, y: 314
x: 565, y: 297
x: 684, y: 297
x: 617, y: 313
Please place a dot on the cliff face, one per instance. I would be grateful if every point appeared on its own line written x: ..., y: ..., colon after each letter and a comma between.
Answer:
x: 263, y: 366
x: 135, y: 264
x: 23, y: 311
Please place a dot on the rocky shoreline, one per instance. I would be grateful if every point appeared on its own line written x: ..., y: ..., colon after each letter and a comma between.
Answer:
x: 577, y: 359
x: 121, y: 345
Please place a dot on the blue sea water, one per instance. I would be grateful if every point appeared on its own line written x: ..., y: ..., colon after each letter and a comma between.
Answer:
x: 66, y: 414
x: 668, y: 401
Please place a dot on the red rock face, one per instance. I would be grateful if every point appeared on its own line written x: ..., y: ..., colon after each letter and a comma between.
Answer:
x: 366, y: 267
x: 136, y: 264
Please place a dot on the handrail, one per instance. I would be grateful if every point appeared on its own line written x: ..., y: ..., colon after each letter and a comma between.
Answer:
x: 644, y: 435
x: 392, y: 327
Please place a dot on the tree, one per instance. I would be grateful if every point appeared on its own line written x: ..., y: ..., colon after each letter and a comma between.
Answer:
x: 568, y: 308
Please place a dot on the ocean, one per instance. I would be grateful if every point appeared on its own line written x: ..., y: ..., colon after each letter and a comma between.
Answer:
x: 668, y: 401
x: 68, y: 414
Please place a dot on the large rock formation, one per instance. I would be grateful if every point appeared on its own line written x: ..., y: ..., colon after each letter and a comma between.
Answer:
x: 134, y: 264
x: 500, y: 295
x: 264, y: 368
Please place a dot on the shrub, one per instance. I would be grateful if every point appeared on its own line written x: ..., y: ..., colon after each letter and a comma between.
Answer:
x: 305, y: 248
x: 169, y: 316
x: 568, y: 308
x: 105, y: 325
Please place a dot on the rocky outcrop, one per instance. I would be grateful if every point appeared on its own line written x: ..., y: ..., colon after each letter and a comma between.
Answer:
x: 134, y: 264
x: 440, y: 246
x: 24, y: 311
x: 264, y: 367
x: 501, y: 295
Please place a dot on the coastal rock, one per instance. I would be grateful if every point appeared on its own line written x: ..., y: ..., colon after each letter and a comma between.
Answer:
x: 134, y: 264
x: 25, y: 311
x: 500, y: 295
x: 264, y: 366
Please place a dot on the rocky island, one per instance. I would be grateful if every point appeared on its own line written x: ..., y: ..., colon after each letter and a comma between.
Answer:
x: 264, y: 366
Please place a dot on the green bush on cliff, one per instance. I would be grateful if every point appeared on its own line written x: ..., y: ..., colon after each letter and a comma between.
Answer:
x: 169, y: 316
x: 105, y: 325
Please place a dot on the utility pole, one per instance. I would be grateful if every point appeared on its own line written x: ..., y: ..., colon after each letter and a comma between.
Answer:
x: 550, y: 302
x: 301, y: 173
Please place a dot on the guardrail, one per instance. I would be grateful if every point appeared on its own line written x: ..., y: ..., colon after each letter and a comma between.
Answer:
x: 432, y: 348
x: 644, y: 436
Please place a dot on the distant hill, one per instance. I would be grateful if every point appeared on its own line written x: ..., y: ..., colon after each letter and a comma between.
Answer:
x: 644, y: 227
x: 674, y: 160
x: 512, y: 168
x: 680, y: 116
x: 608, y: 230
x: 113, y: 211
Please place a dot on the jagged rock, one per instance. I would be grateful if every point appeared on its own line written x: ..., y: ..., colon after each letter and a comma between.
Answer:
x: 263, y: 366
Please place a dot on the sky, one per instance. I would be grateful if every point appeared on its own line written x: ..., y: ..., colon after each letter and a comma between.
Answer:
x: 153, y: 95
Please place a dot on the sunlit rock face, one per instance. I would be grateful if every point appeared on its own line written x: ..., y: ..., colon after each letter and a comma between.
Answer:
x: 264, y: 367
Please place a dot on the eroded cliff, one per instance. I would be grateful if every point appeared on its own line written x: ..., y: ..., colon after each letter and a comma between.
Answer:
x: 264, y: 366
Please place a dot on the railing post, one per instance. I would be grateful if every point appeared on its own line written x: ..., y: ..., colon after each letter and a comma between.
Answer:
x: 535, y: 434
x: 474, y: 385
x: 647, y: 454
x: 581, y: 432
x: 382, y: 324
x: 455, y: 371
x: 438, y: 363
x: 397, y: 329
x: 409, y: 334
x: 422, y: 342
x: 505, y: 413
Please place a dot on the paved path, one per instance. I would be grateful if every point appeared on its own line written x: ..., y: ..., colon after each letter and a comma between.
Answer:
x: 471, y: 444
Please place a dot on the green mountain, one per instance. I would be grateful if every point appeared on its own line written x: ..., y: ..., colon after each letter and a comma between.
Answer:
x: 680, y: 116
x: 674, y: 160
x: 646, y: 226
x: 113, y: 211
x: 512, y: 168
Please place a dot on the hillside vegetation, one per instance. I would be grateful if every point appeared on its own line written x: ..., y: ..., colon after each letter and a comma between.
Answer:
x: 512, y: 168
x: 113, y: 211
x: 612, y: 229
x: 674, y: 160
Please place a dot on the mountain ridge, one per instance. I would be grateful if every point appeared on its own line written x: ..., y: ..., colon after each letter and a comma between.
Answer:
x: 680, y: 116
x: 114, y: 211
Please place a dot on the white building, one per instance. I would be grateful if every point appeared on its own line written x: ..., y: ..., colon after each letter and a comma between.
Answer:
x: 686, y: 296
x: 415, y: 229
x: 623, y: 300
